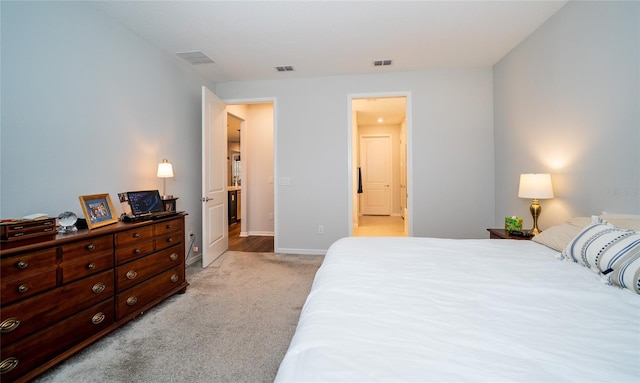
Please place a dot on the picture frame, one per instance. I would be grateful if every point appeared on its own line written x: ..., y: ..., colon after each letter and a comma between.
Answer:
x: 98, y: 210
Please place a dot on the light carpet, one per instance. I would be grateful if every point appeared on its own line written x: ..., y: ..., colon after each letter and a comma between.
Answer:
x: 233, y: 324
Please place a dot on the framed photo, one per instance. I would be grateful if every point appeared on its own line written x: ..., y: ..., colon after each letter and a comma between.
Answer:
x: 98, y: 210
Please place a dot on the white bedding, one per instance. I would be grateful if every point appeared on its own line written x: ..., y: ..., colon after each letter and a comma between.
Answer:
x: 425, y: 310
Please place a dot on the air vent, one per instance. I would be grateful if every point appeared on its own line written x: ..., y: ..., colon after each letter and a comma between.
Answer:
x: 195, y: 57
x: 382, y: 62
x: 285, y: 68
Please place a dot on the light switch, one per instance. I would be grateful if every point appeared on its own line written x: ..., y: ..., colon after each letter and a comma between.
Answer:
x: 284, y: 181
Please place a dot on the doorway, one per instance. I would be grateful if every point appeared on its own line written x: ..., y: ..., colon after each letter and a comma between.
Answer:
x: 380, y: 127
x: 251, y: 173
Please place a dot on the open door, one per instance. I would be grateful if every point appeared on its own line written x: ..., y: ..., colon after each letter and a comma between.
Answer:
x: 215, y: 228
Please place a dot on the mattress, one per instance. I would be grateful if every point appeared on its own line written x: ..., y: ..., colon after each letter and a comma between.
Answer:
x: 427, y: 309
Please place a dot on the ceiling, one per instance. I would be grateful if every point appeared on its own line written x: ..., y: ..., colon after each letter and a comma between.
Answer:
x: 248, y: 39
x: 391, y: 110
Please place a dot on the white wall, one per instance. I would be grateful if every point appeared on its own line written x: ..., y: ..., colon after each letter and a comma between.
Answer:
x: 567, y: 102
x: 89, y: 107
x: 452, y: 152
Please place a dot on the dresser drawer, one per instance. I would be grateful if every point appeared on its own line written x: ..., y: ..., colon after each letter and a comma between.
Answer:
x: 133, y: 236
x: 42, y: 310
x: 172, y: 226
x: 39, y: 347
x: 27, y: 286
x: 137, y: 271
x: 168, y: 240
x: 133, y: 300
x: 85, y: 266
x: 94, y: 246
x: 28, y: 263
x: 127, y: 254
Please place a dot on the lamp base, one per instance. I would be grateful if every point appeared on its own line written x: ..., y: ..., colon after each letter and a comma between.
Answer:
x: 535, y: 210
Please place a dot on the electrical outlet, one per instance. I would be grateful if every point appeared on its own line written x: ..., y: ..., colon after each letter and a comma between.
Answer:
x: 320, y: 229
x: 195, y: 249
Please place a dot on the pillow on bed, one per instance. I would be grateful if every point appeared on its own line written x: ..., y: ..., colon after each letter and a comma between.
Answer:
x: 558, y: 237
x: 623, y: 221
x: 609, y: 251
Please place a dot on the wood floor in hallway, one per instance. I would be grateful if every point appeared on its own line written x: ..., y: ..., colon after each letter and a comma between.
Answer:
x: 254, y: 244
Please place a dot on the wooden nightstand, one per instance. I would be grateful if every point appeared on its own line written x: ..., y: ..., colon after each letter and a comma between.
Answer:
x: 503, y: 234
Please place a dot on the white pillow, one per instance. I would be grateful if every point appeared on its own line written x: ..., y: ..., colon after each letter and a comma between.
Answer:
x: 609, y: 251
x: 623, y: 221
x: 558, y: 237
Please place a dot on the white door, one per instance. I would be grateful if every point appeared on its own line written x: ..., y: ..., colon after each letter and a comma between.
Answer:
x: 375, y: 161
x: 215, y: 228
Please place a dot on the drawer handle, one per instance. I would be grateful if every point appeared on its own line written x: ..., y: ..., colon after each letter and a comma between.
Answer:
x: 23, y: 288
x: 23, y: 264
x: 98, y: 288
x: 132, y: 301
x: 98, y: 318
x: 9, y: 325
x: 91, y: 266
x: 91, y: 246
x: 175, y: 278
x: 136, y: 235
x: 169, y: 226
x: 131, y: 274
x: 8, y: 364
x: 169, y: 239
x: 173, y: 256
x: 137, y: 251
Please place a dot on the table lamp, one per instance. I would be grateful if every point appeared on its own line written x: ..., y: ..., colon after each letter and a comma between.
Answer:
x: 536, y: 186
x: 165, y: 170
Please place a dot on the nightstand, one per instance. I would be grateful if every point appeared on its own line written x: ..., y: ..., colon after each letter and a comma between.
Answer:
x: 503, y: 234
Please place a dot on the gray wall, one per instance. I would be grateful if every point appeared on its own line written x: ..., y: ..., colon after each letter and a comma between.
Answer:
x: 88, y: 107
x: 566, y: 102
x: 451, y: 155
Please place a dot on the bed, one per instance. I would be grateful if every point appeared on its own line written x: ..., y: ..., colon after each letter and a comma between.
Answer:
x: 427, y: 309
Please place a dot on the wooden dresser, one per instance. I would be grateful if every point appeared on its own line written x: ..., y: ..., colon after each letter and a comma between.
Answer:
x: 60, y: 295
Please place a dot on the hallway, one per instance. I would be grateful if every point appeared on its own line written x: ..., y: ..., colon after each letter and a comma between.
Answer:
x: 380, y: 226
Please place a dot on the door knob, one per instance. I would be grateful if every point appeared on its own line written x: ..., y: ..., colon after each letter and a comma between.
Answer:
x: 206, y: 199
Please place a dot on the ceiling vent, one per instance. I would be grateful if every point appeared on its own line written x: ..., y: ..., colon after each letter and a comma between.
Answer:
x: 195, y: 57
x: 285, y: 68
x: 382, y: 62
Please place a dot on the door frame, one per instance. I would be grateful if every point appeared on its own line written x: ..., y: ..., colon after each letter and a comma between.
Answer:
x: 273, y: 101
x: 409, y: 164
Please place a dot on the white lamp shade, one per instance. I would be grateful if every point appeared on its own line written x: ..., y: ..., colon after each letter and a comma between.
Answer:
x: 165, y: 169
x: 535, y: 186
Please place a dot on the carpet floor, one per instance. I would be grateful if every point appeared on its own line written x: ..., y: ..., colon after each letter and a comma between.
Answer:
x: 233, y: 324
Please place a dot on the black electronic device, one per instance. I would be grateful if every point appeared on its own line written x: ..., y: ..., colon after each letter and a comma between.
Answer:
x: 521, y: 233
x: 146, y: 204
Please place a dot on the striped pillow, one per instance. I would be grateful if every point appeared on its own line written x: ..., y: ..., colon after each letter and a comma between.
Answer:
x: 609, y: 251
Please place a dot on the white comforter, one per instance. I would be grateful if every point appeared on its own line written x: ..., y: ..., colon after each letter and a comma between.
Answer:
x: 433, y: 310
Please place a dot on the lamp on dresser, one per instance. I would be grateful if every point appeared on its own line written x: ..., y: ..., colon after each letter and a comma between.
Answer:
x: 536, y: 186
x: 165, y: 170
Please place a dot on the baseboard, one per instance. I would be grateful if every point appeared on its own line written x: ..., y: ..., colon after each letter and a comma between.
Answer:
x: 193, y: 259
x: 260, y: 234
x: 282, y: 250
